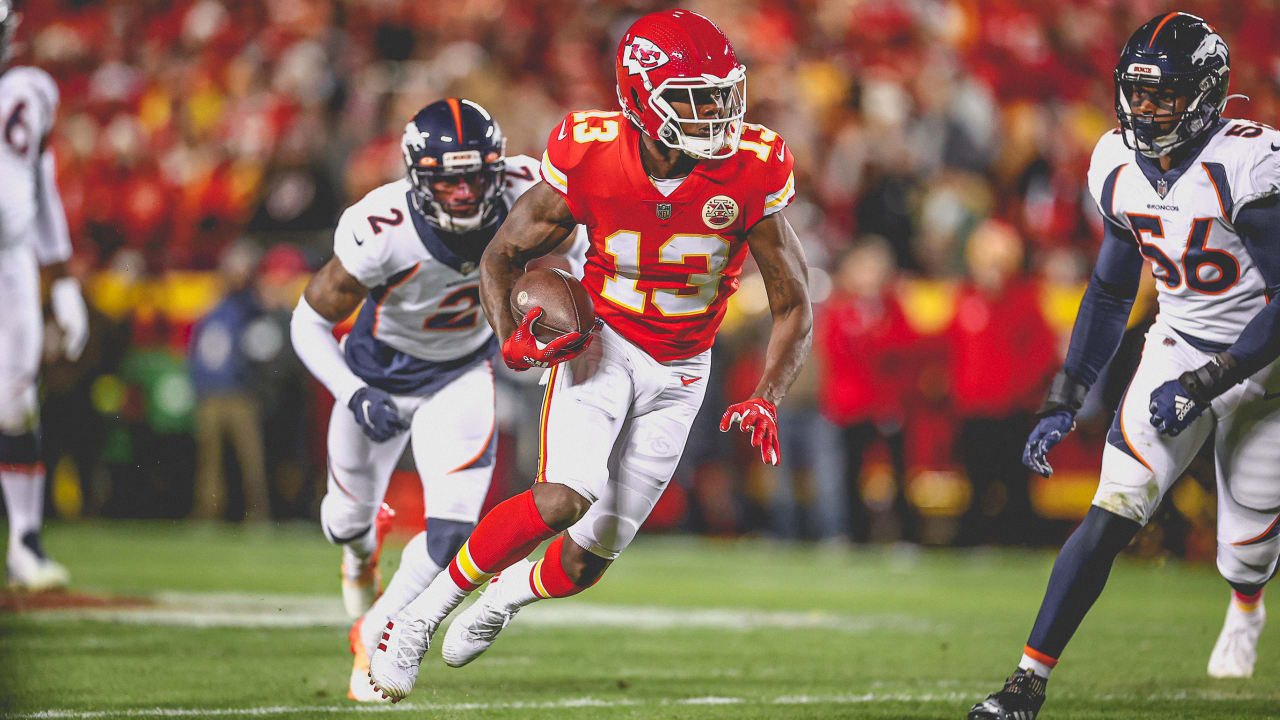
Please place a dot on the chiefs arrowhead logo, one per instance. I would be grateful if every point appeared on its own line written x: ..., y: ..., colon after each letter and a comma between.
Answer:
x: 643, y: 55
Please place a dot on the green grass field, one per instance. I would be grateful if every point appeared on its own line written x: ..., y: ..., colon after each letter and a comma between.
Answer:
x: 249, y: 623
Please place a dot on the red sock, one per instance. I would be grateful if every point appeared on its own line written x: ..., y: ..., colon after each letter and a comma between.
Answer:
x: 1247, y: 602
x: 507, y: 534
x: 548, y: 578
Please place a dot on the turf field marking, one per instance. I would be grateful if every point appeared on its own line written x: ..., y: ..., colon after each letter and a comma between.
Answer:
x: 588, y: 702
x: 461, y: 707
x: 241, y: 610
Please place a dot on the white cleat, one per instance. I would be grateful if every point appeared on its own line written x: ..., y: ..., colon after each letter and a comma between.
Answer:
x: 474, y: 630
x: 358, y: 687
x: 1237, y: 648
x: 393, y: 669
x: 28, y: 568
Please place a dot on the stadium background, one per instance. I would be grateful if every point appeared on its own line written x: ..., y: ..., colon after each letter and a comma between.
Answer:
x: 205, y: 149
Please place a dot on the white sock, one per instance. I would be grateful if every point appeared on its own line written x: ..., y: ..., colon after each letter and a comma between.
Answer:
x: 441, y: 597
x: 24, y: 499
x: 357, y: 552
x: 1029, y: 663
x: 513, y: 589
x: 415, y: 573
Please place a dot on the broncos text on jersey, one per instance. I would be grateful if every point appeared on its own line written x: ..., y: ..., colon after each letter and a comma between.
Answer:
x: 660, y: 267
x: 422, y: 323
x: 1182, y: 220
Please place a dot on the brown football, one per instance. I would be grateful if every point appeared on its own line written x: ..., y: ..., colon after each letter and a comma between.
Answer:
x: 566, y: 306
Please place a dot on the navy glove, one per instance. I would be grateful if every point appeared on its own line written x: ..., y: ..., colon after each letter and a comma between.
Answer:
x: 1049, y: 432
x: 376, y: 414
x: 1173, y: 408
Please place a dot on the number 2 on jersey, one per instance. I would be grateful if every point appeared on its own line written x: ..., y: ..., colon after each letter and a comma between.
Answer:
x: 701, y: 288
x: 467, y: 300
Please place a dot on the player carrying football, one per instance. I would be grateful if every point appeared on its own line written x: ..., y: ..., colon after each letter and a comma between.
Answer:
x: 34, y: 241
x: 674, y: 190
x: 1200, y: 200
x: 417, y: 358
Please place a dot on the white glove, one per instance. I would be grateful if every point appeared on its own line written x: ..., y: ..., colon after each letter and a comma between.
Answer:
x: 72, y: 316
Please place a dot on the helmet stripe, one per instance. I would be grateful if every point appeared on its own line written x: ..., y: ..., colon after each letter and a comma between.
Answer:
x: 457, y: 116
x: 1167, y: 18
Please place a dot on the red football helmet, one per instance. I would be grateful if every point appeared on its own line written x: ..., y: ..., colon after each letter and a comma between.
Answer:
x: 681, y: 56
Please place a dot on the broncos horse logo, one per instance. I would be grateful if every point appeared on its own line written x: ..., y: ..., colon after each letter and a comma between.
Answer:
x: 1210, y: 47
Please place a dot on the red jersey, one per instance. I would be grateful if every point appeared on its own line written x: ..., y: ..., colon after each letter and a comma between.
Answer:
x: 661, y: 267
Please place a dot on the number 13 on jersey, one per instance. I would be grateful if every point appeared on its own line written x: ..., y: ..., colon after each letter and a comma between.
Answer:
x: 700, y: 288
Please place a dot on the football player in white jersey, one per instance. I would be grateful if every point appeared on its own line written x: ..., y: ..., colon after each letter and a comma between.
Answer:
x: 1198, y: 197
x: 33, y: 243
x: 417, y: 361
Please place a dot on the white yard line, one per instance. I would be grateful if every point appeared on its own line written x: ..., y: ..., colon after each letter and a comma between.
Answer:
x: 238, y: 610
x: 569, y: 703
x: 409, y: 706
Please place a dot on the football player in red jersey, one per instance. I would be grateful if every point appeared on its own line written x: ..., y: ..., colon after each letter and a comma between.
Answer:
x: 674, y: 190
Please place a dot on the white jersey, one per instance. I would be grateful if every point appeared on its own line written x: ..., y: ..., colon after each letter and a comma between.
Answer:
x: 422, y: 324
x: 28, y: 103
x: 1209, y: 288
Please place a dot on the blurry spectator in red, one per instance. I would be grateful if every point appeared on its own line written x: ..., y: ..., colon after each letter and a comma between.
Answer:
x: 862, y: 340
x: 1001, y: 354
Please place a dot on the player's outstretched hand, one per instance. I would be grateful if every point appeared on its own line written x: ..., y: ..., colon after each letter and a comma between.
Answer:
x: 1173, y: 409
x: 760, y: 418
x: 522, y: 350
x: 1048, y: 432
x: 376, y: 414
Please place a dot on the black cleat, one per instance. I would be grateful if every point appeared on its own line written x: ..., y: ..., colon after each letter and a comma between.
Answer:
x: 1021, y: 698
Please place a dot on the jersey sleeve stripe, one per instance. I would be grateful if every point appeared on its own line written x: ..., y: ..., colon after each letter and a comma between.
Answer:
x: 552, y: 174
x: 1218, y: 178
x: 776, y: 201
x: 1107, y: 201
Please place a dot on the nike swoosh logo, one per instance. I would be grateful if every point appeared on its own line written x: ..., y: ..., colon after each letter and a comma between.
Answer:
x: 562, y: 129
x: 781, y: 152
x: 1275, y: 147
x: 689, y: 381
x: 364, y: 407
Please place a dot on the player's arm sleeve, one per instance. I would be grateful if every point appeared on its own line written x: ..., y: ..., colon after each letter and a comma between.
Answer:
x: 561, y: 158
x: 1258, y: 224
x: 316, y: 347
x: 780, y: 179
x: 53, y: 240
x: 1104, y: 310
x: 363, y: 253
x: 1105, y: 168
x: 1257, y: 176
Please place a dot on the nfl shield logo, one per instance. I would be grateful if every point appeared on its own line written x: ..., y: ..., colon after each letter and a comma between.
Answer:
x: 1162, y: 186
x: 664, y: 211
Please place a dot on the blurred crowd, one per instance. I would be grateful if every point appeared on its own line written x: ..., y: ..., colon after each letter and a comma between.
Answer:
x: 940, y: 146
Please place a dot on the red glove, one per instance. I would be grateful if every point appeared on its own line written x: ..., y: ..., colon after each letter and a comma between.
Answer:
x: 521, y: 351
x: 760, y: 418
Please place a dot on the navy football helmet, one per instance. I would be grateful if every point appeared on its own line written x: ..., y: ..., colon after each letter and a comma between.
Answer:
x: 446, y: 140
x: 1173, y: 55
